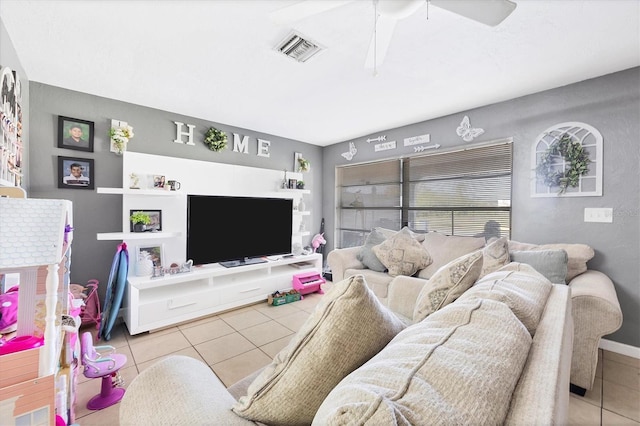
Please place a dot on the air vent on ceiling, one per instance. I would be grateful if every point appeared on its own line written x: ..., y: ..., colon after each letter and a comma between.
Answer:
x: 297, y: 47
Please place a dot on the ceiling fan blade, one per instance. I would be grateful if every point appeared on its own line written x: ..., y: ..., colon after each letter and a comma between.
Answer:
x: 304, y: 9
x: 488, y: 12
x: 380, y: 41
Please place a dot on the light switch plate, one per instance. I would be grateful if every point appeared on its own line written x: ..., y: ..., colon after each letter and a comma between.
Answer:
x: 602, y: 215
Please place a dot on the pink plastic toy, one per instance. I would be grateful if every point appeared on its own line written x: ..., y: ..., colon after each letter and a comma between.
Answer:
x: 317, y: 241
x: 103, y: 365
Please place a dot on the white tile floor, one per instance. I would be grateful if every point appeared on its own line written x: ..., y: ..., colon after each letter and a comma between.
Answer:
x: 237, y: 343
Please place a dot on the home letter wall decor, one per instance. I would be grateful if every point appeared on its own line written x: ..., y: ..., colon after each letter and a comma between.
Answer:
x: 180, y: 133
x: 240, y: 145
x: 263, y: 148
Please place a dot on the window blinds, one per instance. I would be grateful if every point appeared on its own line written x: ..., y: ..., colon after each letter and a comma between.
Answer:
x: 459, y: 192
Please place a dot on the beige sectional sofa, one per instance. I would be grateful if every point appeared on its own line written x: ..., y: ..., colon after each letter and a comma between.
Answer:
x: 491, y: 350
x: 595, y: 306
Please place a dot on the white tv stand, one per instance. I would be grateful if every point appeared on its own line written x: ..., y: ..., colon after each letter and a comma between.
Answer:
x: 153, y: 303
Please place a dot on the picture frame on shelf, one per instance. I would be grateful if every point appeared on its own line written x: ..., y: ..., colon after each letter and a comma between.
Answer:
x: 158, y: 181
x: 154, y: 252
x: 154, y: 215
x: 76, y: 173
x: 76, y: 134
x: 292, y: 183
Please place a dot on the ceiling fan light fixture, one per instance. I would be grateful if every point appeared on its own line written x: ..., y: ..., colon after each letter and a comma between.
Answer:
x: 298, y: 47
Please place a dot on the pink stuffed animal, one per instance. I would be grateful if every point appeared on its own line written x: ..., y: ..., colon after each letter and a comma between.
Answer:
x: 317, y: 241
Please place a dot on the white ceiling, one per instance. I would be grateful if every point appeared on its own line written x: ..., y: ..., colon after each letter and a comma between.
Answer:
x: 214, y: 60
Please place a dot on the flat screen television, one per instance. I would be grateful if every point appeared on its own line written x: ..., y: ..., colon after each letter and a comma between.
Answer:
x: 235, y: 231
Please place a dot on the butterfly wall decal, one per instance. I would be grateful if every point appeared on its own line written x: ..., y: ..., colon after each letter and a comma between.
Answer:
x: 352, y: 151
x: 466, y: 132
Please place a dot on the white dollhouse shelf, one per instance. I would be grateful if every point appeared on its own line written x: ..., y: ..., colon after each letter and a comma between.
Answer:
x: 32, y: 236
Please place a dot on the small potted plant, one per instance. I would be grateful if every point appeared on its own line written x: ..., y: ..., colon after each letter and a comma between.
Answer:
x: 300, y: 185
x: 140, y: 221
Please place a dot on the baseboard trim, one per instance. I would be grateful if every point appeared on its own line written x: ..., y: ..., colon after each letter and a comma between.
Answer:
x: 620, y: 348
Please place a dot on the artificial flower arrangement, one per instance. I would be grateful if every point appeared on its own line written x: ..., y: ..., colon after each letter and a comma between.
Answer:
x: 120, y: 137
x: 303, y: 164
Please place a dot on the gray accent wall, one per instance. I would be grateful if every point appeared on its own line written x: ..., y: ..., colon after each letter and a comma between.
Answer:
x: 154, y: 134
x: 609, y: 103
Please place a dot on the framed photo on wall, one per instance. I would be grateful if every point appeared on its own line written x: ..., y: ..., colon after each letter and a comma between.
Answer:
x: 154, y: 215
x: 74, y: 133
x: 75, y: 173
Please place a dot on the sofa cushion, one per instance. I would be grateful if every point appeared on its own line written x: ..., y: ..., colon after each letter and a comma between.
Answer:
x: 402, y: 254
x: 445, y: 248
x: 459, y: 366
x: 579, y: 255
x: 366, y: 254
x: 550, y: 263
x: 494, y: 256
x: 348, y: 326
x: 448, y: 284
x: 524, y: 290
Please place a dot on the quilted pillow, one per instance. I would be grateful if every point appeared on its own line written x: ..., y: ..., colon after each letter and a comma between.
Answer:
x: 366, y: 254
x: 524, y: 290
x: 448, y: 284
x: 550, y: 263
x: 494, y: 256
x: 445, y: 248
x: 348, y: 326
x: 458, y: 367
x: 402, y: 254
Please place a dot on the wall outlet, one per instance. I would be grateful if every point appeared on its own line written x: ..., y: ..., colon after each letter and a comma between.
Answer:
x: 603, y: 215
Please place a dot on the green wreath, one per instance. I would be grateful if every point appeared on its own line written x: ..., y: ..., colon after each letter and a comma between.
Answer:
x: 215, y: 139
x: 573, y: 152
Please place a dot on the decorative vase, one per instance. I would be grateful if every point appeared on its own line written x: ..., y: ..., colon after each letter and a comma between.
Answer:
x: 144, y: 267
x: 139, y: 227
x: 301, y: 205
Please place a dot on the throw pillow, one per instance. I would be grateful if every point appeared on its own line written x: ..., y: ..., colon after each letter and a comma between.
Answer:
x: 448, y: 284
x: 550, y: 263
x: 388, y: 233
x: 348, y: 327
x: 445, y: 248
x: 494, y: 256
x: 366, y: 254
x: 402, y: 254
x: 579, y: 255
x: 458, y: 367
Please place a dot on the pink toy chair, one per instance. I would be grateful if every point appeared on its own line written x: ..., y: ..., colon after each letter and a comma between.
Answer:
x: 106, y: 365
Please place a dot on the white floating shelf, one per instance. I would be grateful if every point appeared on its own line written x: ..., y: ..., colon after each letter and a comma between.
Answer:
x: 301, y: 234
x: 299, y: 213
x: 127, y: 191
x: 298, y: 191
x: 136, y: 235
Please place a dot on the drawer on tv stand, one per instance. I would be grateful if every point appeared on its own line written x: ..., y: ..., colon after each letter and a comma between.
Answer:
x: 177, y: 305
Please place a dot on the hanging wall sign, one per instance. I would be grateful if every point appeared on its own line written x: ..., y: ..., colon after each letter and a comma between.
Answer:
x: 385, y: 146
x: 417, y: 140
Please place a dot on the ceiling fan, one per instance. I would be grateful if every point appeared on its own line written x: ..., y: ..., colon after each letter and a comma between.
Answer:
x: 389, y: 12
